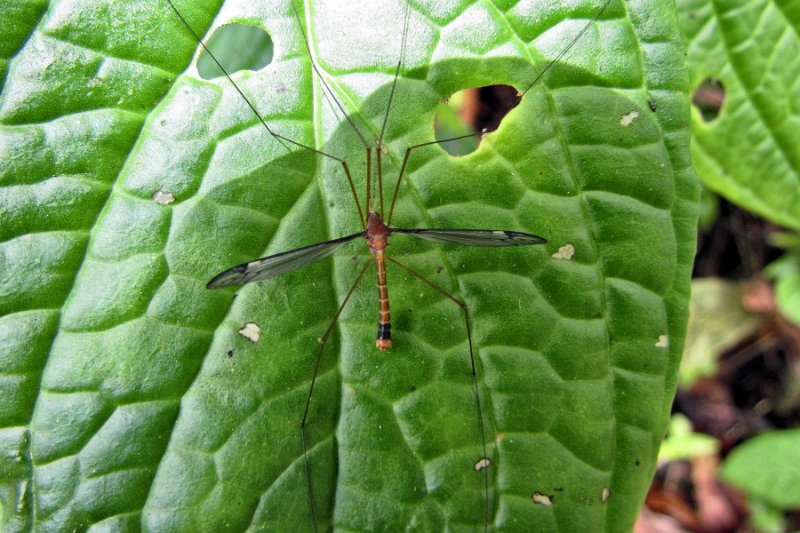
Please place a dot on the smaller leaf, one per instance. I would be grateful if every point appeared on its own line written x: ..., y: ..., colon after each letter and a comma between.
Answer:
x: 767, y: 467
x: 786, y: 273
x: 717, y: 322
x: 684, y: 443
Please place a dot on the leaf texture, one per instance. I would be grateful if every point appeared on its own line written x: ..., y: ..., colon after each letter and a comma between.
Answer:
x: 130, y: 402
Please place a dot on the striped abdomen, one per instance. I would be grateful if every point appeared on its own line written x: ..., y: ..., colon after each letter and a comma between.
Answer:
x: 384, y: 339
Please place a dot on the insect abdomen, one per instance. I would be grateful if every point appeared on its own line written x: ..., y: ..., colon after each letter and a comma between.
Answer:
x: 384, y: 339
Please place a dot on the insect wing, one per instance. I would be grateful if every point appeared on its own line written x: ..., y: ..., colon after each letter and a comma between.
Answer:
x: 275, y: 265
x: 475, y: 237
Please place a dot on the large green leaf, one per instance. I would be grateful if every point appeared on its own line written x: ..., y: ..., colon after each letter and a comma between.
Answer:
x: 130, y: 401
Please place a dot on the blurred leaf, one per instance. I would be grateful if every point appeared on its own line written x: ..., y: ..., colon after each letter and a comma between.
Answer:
x: 709, y: 209
x: 717, y: 322
x: 767, y: 467
x: 788, y: 240
x: 684, y: 443
x: 749, y: 153
x: 765, y: 518
x: 786, y: 274
x: 448, y: 124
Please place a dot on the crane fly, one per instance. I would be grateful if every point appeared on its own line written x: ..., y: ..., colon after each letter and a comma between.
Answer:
x: 376, y: 231
x: 377, y: 236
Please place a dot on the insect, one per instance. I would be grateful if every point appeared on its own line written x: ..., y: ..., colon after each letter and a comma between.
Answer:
x: 375, y: 217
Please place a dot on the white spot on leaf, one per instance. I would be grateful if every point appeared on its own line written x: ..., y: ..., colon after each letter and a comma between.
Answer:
x: 605, y: 495
x: 542, y: 499
x: 163, y: 197
x: 627, y: 120
x: 565, y: 252
x: 485, y: 462
x: 663, y: 341
x: 251, y: 332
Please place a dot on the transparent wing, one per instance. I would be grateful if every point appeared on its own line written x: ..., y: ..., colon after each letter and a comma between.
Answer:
x: 475, y: 237
x: 275, y: 265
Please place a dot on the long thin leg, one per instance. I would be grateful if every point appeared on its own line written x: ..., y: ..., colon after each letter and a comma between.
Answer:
x: 322, y: 343
x: 536, y: 79
x: 280, y: 138
x: 369, y: 203
x: 389, y: 102
x: 324, y: 82
x: 484, y: 461
x: 567, y: 48
x: 380, y: 175
x: 331, y: 96
x: 396, y: 74
x: 405, y: 161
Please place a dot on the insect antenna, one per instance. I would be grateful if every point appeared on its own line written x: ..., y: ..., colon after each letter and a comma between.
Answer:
x: 280, y: 138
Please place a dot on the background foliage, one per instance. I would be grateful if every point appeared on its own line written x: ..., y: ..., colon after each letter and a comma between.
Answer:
x: 739, y: 373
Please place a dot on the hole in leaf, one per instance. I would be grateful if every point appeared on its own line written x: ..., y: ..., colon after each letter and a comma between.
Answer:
x: 237, y: 47
x: 708, y: 98
x: 470, y: 111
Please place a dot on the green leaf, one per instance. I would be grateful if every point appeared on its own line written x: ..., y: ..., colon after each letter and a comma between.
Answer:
x: 786, y: 274
x: 130, y: 402
x: 683, y: 443
x: 766, y: 467
x: 750, y: 152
